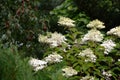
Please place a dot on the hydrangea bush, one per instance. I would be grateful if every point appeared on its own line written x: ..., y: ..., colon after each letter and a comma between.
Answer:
x: 77, y: 56
x: 91, y: 56
x: 80, y: 50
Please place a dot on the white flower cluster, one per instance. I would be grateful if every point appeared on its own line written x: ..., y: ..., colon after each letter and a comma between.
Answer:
x: 114, y: 31
x: 88, y: 78
x: 93, y: 35
x: 107, y: 74
x: 108, y: 45
x: 37, y: 64
x: 67, y: 22
x: 54, y: 40
x: 69, y: 71
x: 40, y: 64
x: 53, y: 58
x: 96, y: 24
x: 88, y: 54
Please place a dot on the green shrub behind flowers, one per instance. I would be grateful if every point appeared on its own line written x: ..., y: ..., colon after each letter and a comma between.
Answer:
x: 12, y: 66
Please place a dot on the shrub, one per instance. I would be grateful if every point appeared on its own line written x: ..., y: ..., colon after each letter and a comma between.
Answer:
x: 20, y: 22
x: 12, y: 66
x: 94, y: 56
x: 62, y: 45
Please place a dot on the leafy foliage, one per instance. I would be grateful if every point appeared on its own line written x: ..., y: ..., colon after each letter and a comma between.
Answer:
x: 94, y: 8
x: 12, y: 66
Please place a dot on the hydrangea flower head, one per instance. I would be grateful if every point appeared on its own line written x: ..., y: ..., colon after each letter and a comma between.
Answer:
x: 53, y: 58
x: 55, y: 39
x: 96, y: 24
x: 88, y: 54
x: 64, y: 21
x: 37, y: 64
x: 93, y: 35
x: 114, y: 31
x: 108, y: 45
x: 69, y: 71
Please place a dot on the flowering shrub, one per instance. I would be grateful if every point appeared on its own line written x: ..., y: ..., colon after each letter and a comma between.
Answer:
x: 91, y: 57
x: 76, y: 56
x: 79, y: 51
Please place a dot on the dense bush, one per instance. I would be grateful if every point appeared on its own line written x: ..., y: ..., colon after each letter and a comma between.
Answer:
x: 107, y: 11
x: 93, y: 55
x: 12, y: 66
x: 21, y: 21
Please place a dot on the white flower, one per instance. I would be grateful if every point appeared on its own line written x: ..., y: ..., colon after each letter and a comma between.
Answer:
x: 37, y: 64
x: 114, y: 31
x: 107, y: 74
x: 93, y: 35
x: 63, y: 21
x: 108, y: 45
x: 53, y: 58
x: 88, y: 54
x: 55, y: 39
x: 96, y: 24
x: 69, y: 71
x: 88, y: 78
